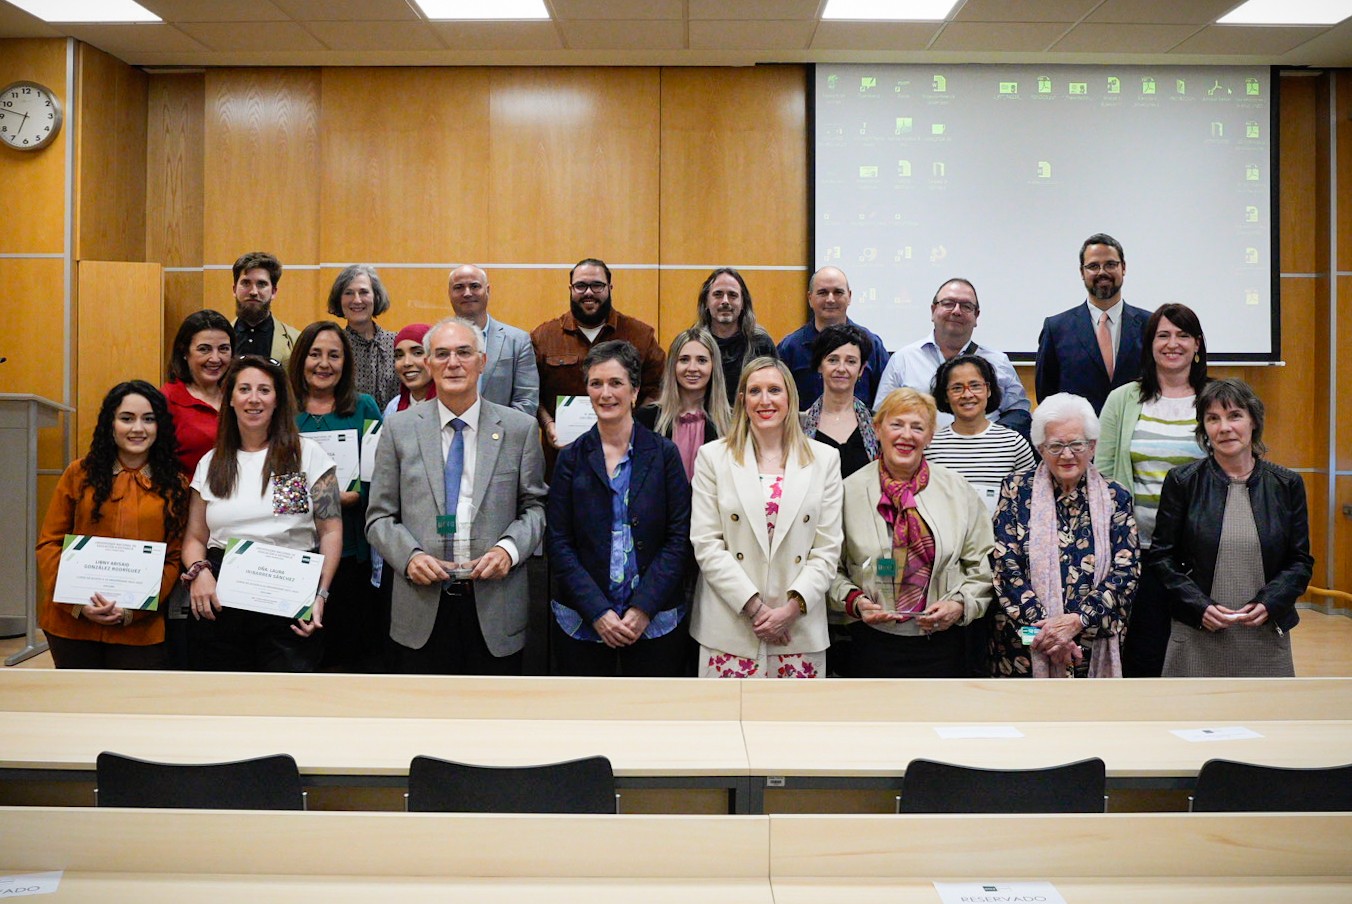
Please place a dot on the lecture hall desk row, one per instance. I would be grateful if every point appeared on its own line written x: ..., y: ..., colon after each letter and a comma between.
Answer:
x: 172, y: 856
x: 736, y: 736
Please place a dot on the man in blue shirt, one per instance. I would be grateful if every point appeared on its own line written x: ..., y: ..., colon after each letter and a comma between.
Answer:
x: 828, y: 295
x: 954, y: 312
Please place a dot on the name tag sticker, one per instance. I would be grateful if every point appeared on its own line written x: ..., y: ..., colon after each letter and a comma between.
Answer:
x: 887, y: 567
x: 445, y: 525
x: 1027, y: 633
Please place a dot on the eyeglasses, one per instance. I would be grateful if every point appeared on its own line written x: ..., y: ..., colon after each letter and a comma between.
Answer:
x: 975, y: 388
x: 950, y: 304
x: 1079, y: 447
x: 582, y: 288
x: 1106, y: 266
x: 463, y: 353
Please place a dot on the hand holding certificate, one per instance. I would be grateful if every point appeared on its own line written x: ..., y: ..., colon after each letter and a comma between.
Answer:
x: 125, y: 573
x: 269, y: 579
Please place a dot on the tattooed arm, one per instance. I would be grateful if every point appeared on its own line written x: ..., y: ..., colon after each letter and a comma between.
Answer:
x: 329, y: 525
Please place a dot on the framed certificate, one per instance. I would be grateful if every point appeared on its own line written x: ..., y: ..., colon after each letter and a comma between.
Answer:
x: 269, y: 579
x: 342, y: 447
x: 370, y: 441
x: 573, y: 416
x: 128, y: 572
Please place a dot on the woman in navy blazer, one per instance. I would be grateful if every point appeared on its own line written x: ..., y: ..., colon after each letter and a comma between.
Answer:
x: 618, y: 535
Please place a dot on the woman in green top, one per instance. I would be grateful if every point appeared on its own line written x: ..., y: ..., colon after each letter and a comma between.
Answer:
x: 1149, y: 427
x: 323, y: 378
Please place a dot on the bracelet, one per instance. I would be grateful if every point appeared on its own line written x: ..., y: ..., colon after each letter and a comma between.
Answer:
x: 852, y: 603
x: 194, y: 570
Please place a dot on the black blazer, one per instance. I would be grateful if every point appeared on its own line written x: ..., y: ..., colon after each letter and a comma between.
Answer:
x: 647, y: 416
x: 1188, y: 533
x: 1068, y: 358
x: 577, y: 529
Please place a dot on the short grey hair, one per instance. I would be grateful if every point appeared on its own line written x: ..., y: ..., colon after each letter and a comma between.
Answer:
x: 1062, y: 407
x: 480, y: 343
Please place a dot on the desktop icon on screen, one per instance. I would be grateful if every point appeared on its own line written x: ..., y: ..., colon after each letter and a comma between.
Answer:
x: 940, y: 84
x: 1147, y: 85
x: 1114, y: 85
x: 1079, y: 87
x: 1251, y: 87
x: 903, y: 126
x: 1044, y: 85
x: 938, y: 170
x: 903, y: 167
x: 937, y: 128
x: 1251, y: 130
x: 867, y: 83
x: 1217, y: 129
x: 1250, y: 214
x: 1252, y: 173
x: 1009, y: 87
x: 1251, y: 296
x: 868, y: 172
x: 1044, y: 169
x: 1180, y: 86
x: 1250, y: 255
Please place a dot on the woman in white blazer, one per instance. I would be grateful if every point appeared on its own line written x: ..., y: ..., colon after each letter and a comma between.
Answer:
x: 916, y: 565
x: 765, y: 525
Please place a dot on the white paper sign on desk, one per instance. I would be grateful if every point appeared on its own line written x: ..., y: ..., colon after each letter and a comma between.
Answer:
x: 128, y: 572
x: 1230, y: 733
x: 573, y: 416
x: 976, y: 732
x: 29, y: 884
x: 998, y: 893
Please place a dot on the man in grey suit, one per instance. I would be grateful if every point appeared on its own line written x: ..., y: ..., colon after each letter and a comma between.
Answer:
x: 511, y: 377
x: 457, y: 503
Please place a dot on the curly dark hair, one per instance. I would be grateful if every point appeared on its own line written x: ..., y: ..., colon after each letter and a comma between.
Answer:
x: 166, y: 479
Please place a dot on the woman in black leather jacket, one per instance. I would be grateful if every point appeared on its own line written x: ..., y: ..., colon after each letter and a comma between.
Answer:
x: 1231, y: 546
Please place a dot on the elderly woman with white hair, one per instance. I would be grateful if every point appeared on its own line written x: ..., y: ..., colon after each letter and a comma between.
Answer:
x: 1066, y: 555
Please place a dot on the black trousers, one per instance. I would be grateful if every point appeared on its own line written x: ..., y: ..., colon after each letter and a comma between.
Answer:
x: 650, y: 657
x: 456, y: 645
x: 95, y: 654
x: 1148, y: 629
x: 353, y: 629
x: 876, y: 654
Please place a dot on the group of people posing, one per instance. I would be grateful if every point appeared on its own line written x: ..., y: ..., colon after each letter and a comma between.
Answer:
x: 734, y: 509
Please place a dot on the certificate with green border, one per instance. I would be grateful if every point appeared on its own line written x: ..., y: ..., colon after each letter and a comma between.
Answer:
x: 128, y: 572
x: 270, y: 579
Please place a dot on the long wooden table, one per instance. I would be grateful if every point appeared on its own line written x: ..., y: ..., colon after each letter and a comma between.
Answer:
x: 166, y: 856
x: 735, y: 736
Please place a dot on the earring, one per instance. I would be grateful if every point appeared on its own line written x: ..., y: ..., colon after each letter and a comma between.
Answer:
x: 1197, y: 358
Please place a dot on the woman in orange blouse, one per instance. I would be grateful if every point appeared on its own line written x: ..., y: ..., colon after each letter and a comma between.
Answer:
x: 129, y: 486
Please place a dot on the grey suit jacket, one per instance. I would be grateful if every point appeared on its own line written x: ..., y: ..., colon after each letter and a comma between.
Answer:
x: 408, y: 492
x: 510, y: 377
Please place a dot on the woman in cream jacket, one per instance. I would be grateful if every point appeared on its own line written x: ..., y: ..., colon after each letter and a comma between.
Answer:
x: 916, y: 565
x: 765, y: 525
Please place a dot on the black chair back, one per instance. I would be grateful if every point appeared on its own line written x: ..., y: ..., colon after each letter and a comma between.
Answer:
x: 1224, y: 786
x: 577, y: 786
x: 266, y: 783
x: 931, y: 787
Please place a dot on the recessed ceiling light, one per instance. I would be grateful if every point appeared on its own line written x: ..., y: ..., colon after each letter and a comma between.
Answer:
x: 890, y: 10
x: 87, y: 10
x: 477, y: 9
x: 1288, y: 12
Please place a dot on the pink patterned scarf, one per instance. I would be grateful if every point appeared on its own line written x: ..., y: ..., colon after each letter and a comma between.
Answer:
x: 909, y: 534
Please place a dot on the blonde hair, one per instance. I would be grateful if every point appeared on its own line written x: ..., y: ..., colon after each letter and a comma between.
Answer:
x: 904, y: 398
x: 795, y: 440
x: 715, y: 393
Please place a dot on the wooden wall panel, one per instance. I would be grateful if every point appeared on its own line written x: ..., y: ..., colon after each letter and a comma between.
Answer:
x: 1304, y: 190
x: 261, y: 166
x: 406, y: 153
x: 110, y: 155
x: 1344, y: 346
x: 574, y: 167
x: 1339, y: 573
x: 175, y: 148
x: 33, y: 338
x: 1343, y: 117
x: 112, y: 295
x: 35, y: 181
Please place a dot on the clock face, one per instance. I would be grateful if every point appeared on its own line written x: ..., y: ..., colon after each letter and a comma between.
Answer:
x: 30, y: 116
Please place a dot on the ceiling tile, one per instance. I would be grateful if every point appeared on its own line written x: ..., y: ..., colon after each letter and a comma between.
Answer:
x: 1011, y: 37
x: 754, y: 9
x: 874, y: 35
x: 1247, y: 41
x: 1040, y: 11
x: 15, y: 23
x: 128, y: 38
x: 623, y: 34
x: 375, y: 35
x: 1162, y: 12
x: 349, y: 10
x: 1092, y: 37
x: 1332, y: 48
x: 214, y: 10
x: 734, y: 35
x: 618, y: 9
x: 235, y: 37
x: 503, y: 36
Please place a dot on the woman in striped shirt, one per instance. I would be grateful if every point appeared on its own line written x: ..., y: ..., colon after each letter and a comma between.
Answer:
x: 1149, y: 427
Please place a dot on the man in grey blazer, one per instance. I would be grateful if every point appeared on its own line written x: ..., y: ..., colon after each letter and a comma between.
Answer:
x: 511, y: 377
x: 471, y: 619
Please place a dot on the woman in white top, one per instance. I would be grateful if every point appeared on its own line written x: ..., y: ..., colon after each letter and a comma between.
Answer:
x: 1149, y: 427
x: 765, y: 525
x: 979, y: 449
x: 266, y: 483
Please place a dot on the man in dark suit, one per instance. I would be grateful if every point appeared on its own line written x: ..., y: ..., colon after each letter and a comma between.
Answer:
x: 459, y: 480
x: 1094, y: 347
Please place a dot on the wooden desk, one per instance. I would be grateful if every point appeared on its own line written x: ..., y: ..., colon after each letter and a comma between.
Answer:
x: 863, y: 733
x: 364, y: 730
x: 1127, y: 858
x: 172, y: 856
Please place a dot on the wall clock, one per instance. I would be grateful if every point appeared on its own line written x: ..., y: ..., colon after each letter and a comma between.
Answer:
x: 30, y: 116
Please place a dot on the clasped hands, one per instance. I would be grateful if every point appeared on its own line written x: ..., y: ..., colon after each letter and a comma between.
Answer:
x: 424, y: 569
x: 1218, y: 618
x: 1057, y: 640
x: 771, y: 623
x: 938, y: 616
